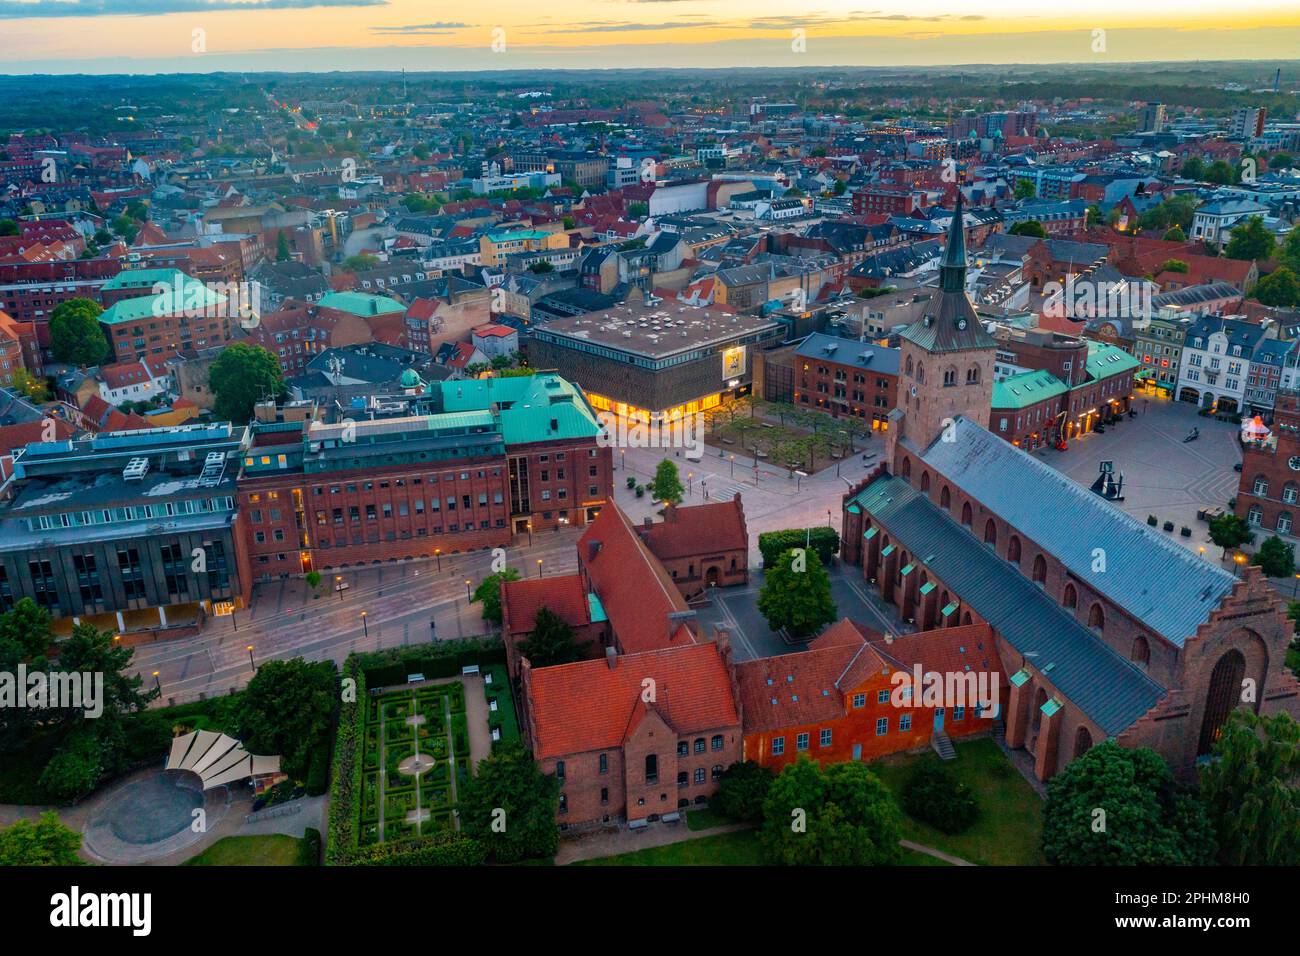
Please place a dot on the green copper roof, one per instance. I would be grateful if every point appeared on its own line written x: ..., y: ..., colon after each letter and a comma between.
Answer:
x: 361, y: 303
x: 143, y: 279
x: 907, y: 570
x: 870, y: 532
x: 949, y: 609
x: 889, y: 549
x: 1104, y: 360
x: 1025, y: 389
x: 1050, y: 706
x: 597, y: 609
x: 183, y: 294
x: 1019, y: 677
x: 854, y: 510
x: 531, y: 408
x: 927, y: 587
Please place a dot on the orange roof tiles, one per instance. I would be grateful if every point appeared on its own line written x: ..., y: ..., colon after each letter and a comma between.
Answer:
x: 698, y: 529
x: 564, y: 595
x: 577, y: 708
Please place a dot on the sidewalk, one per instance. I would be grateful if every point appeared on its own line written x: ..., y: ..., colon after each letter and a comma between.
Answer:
x: 601, y: 843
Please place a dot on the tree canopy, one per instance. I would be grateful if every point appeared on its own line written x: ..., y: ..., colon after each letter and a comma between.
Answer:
x: 1275, y: 557
x: 1251, y: 790
x: 44, y: 842
x: 1250, y: 240
x: 1119, y: 807
x: 489, y: 592
x: 242, y: 376
x: 288, y: 709
x: 509, y: 806
x: 75, y: 333
x: 796, y: 593
x: 551, y: 641
x: 667, y: 483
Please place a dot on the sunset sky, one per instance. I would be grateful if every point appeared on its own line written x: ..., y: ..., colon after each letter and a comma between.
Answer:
x: 98, y: 36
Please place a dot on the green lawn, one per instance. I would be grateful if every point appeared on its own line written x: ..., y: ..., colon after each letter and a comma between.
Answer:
x: 270, y: 850
x: 705, y: 819
x: 1009, y: 828
x: 726, y: 849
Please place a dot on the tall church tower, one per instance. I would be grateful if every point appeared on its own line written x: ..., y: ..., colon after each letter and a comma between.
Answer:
x: 946, y: 359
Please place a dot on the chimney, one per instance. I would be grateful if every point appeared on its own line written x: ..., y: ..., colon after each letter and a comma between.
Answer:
x: 611, y: 657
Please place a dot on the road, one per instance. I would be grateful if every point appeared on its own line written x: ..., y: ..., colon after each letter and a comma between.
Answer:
x: 285, y: 621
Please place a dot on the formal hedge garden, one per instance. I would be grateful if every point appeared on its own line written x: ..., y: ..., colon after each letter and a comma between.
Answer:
x: 373, y: 733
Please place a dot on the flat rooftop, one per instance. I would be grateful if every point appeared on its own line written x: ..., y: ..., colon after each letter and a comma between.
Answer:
x: 656, y: 331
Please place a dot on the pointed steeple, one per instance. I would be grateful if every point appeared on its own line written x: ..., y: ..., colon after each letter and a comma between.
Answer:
x: 952, y: 272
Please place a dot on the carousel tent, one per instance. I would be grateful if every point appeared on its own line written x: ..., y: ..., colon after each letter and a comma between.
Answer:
x: 217, y: 759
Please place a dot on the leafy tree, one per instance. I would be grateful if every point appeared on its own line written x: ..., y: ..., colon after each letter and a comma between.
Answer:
x: 839, y: 816
x: 1251, y: 790
x: 288, y: 709
x: 1275, y: 557
x: 1193, y: 168
x: 1092, y: 215
x: 1279, y: 288
x: 1145, y: 819
x: 1230, y: 531
x: 242, y: 376
x: 1172, y: 265
x: 1176, y: 234
x: 796, y: 594
x: 742, y: 790
x: 1030, y: 227
x: 282, y: 251
x: 933, y: 795
x: 29, y: 386
x: 75, y: 334
x: 1289, y: 254
x: 1281, y: 160
x: 1220, y: 173
x: 76, y: 767
x: 360, y: 262
x: 509, y: 806
x: 1025, y: 189
x: 489, y: 592
x: 667, y: 483
x: 8, y: 227
x: 551, y: 641
x: 540, y: 267
x: 45, y: 842
x: 1250, y: 241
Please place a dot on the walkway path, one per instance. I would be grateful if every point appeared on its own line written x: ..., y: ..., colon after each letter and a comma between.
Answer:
x: 931, y: 851
x: 603, y: 843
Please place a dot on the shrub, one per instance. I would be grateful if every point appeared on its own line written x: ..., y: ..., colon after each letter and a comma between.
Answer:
x: 640, y: 491
x: 825, y: 541
x: 934, y: 796
x: 309, y: 851
x: 742, y: 791
x: 318, y: 771
x: 631, y: 483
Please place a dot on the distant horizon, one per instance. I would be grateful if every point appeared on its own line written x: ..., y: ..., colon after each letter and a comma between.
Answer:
x: 152, y: 37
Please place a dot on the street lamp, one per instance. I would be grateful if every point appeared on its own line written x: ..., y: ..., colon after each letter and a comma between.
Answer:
x: 622, y: 459
x: 539, y: 567
x: 733, y: 466
x: 156, y: 683
x: 529, y: 526
x: 690, y: 482
x: 252, y: 663
x: 704, y: 489
x: 1201, y: 551
x: 338, y: 585
x: 1295, y: 584
x: 437, y: 553
x: 1240, y: 559
x: 469, y: 595
x: 364, y: 626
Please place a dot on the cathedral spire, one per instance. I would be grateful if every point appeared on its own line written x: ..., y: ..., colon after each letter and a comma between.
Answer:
x: 952, y: 271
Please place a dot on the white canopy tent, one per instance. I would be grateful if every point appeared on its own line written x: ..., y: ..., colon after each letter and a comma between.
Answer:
x: 217, y: 759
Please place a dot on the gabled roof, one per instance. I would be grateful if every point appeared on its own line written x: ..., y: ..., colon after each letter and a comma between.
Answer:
x: 563, y: 594
x: 587, y: 706
x: 638, y: 595
x: 1112, y: 691
x: 698, y: 529
x: 1161, y: 584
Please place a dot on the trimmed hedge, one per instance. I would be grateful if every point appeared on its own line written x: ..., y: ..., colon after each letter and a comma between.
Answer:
x: 343, y: 845
x: 309, y: 850
x: 825, y: 541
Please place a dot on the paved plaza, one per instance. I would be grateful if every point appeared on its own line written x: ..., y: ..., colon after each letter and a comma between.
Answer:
x: 1163, y: 475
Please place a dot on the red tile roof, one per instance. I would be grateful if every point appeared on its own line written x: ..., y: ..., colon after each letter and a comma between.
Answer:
x: 521, y: 600
x: 792, y: 690
x: 633, y: 587
x: 577, y: 708
x: 698, y: 529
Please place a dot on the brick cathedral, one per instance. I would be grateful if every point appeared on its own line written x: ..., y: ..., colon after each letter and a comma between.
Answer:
x: 1104, y: 628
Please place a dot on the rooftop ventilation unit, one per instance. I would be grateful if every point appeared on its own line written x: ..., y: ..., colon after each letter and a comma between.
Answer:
x: 136, y: 469
x: 214, y: 469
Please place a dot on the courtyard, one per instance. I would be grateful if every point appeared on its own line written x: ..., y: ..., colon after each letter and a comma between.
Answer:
x: 1163, y: 475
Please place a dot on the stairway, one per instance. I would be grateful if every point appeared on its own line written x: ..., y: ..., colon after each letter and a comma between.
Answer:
x: 943, y: 746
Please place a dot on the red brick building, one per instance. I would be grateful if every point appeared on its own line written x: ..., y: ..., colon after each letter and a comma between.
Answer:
x: 1268, y: 492
x: 325, y: 496
x: 189, y: 315
x: 889, y: 200
x: 844, y: 377
x: 701, y: 546
x: 636, y: 737
x: 836, y: 700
